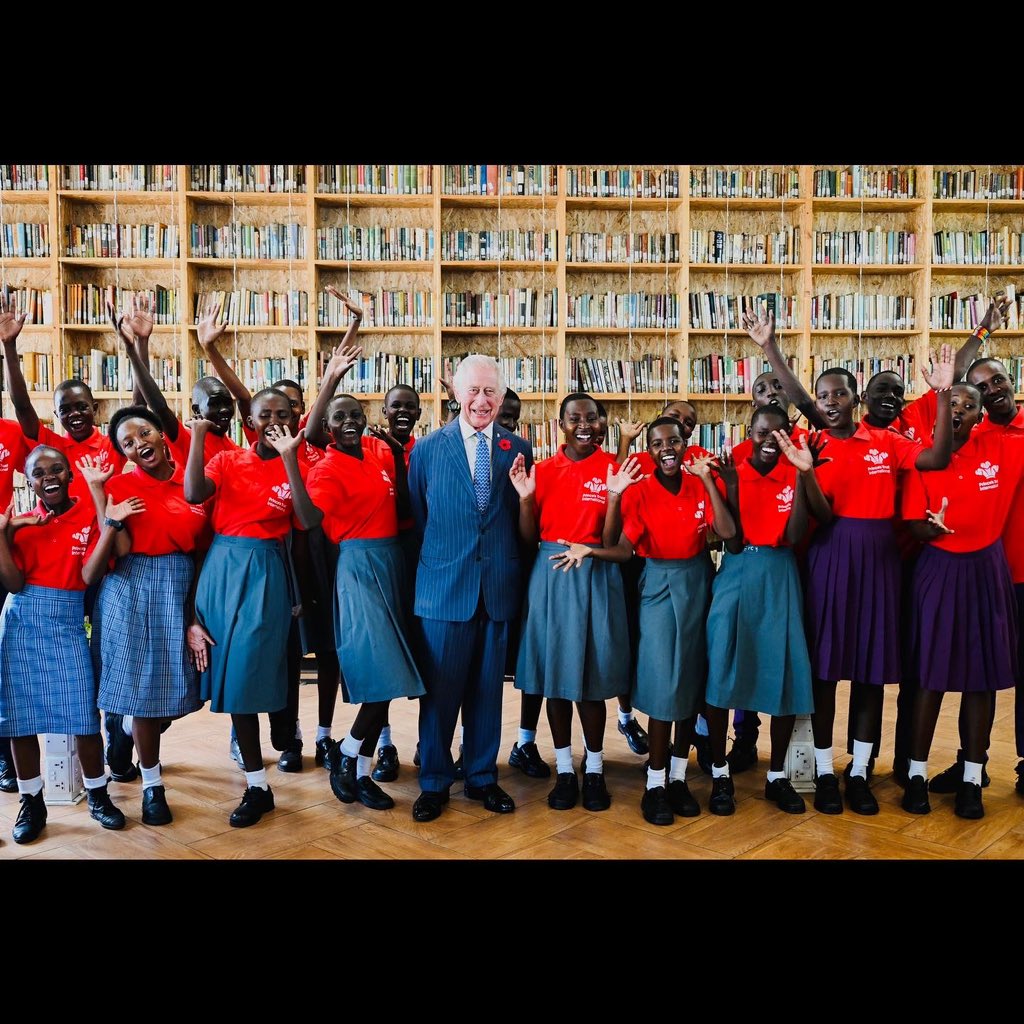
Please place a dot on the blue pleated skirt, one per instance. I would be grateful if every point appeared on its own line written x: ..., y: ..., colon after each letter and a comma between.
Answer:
x: 372, y: 623
x: 47, y: 682
x: 963, y: 620
x: 757, y: 648
x: 138, y: 638
x: 671, y: 659
x: 243, y: 601
x: 574, y: 643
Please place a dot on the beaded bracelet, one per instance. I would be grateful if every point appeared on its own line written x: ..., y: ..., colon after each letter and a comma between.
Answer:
x: 982, y: 334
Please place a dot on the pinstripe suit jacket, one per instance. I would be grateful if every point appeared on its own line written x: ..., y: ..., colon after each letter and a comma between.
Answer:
x: 464, y: 552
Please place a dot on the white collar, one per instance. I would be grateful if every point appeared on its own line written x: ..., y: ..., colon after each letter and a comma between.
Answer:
x: 468, y: 430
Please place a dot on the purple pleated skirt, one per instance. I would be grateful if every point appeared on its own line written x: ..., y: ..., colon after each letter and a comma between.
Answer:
x: 853, y: 601
x: 963, y: 620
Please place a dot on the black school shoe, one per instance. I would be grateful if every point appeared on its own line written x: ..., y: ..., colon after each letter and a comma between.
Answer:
x: 154, y: 807
x: 655, y: 807
x: 636, y: 737
x: 324, y: 752
x: 291, y: 758
x: 386, y: 768
x: 31, y: 818
x: 859, y: 796
x: 722, y: 800
x: 566, y: 792
x: 741, y: 757
x: 119, y: 750
x: 681, y: 800
x: 102, y: 808
x: 968, y: 801
x: 782, y: 793
x: 948, y: 781
x: 8, y: 776
x: 827, y: 798
x: 255, y: 803
x: 595, y: 793
x: 528, y: 760
x: 915, y: 796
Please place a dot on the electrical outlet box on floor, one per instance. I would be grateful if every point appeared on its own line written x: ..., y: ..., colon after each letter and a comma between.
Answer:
x: 800, y: 756
x: 62, y: 772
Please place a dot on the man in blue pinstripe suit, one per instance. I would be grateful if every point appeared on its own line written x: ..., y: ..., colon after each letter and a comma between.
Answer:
x: 468, y: 585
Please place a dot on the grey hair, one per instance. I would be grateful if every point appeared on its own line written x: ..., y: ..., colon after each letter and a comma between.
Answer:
x: 479, y: 361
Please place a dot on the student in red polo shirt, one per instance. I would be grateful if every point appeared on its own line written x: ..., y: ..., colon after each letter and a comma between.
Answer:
x: 361, y: 508
x: 665, y: 518
x: 963, y: 611
x: 140, y: 650
x: 682, y: 411
x: 588, y: 664
x: 47, y: 558
x: 245, y: 595
x: 757, y: 649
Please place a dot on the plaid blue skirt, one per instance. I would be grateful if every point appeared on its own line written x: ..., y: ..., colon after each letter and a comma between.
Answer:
x: 243, y: 601
x: 138, y: 638
x: 575, y: 642
x: 46, y: 678
x: 372, y: 622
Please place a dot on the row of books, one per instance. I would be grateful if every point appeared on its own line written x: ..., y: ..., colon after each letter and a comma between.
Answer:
x: 87, y: 303
x: 24, y: 177
x: 543, y: 437
x: 375, y: 179
x: 865, y: 368
x: 716, y: 373
x: 715, y: 311
x: 854, y: 311
x: 21, y: 240
x: 973, y: 184
x: 967, y: 248
x: 871, y: 245
x: 379, y: 372
x: 244, y: 307
x: 248, y: 241
x: 247, y: 177
x: 516, y: 307
x: 513, y: 244
x: 352, y: 242
x: 105, y: 371
x: 622, y: 181
x: 859, y: 182
x: 624, y: 310
x: 953, y: 311
x: 36, y: 302
x: 523, y: 374
x: 648, y: 373
x: 499, y: 179
x: 122, y: 241
x: 35, y: 368
x: 382, y: 308
x: 638, y: 247
x: 257, y: 374
x: 745, y: 247
x: 122, y: 177
x: 749, y: 183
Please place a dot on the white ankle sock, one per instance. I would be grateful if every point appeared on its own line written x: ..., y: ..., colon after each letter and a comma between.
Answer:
x: 323, y: 732
x: 772, y: 776
x: 98, y: 783
x: 823, y: 761
x: 677, y: 770
x: 385, y: 737
x: 720, y: 773
x: 972, y: 772
x: 257, y: 779
x: 563, y: 760
x: 595, y: 761
x: 126, y: 724
x: 30, y: 787
x: 151, y: 776
x: 655, y: 778
x: 363, y: 766
x: 861, y: 758
x: 350, y: 746
x: 918, y: 768
x: 527, y: 736
x: 625, y: 716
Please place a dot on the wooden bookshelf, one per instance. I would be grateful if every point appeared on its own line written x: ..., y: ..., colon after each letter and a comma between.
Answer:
x: 438, y: 212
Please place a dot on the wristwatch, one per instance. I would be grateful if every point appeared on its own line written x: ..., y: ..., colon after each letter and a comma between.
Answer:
x: 115, y: 523
x: 453, y: 405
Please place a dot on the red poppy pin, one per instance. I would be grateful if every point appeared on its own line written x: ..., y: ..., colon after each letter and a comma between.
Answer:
x: 504, y: 444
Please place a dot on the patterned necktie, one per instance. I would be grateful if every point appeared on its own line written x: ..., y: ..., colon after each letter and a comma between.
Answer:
x: 482, y: 473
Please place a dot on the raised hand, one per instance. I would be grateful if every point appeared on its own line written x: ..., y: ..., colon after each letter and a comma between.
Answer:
x: 621, y: 477
x: 940, y: 378
x: 449, y: 388
x: 630, y: 430
x: 30, y: 519
x: 281, y: 440
x: 725, y: 469
x: 995, y: 315
x: 938, y: 519
x: 197, y: 640
x: 701, y: 467
x: 209, y: 329
x: 382, y: 435
x: 200, y: 424
x: 817, y: 442
x: 139, y: 324
x: 760, y: 328
x: 801, y: 457
x: 524, y: 483
x: 11, y: 322
x: 343, y: 358
x: 349, y: 304
x: 124, y: 509
x: 572, y: 557
x: 93, y: 473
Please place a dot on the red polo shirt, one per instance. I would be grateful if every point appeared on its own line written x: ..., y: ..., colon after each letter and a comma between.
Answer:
x: 766, y: 502
x: 356, y: 496
x: 52, y: 555
x: 13, y: 449
x: 254, y: 498
x: 169, y: 524
x: 96, y: 445
x: 572, y: 497
x: 660, y: 524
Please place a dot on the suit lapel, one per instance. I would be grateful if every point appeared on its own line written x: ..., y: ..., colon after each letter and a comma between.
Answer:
x: 457, y: 452
x: 502, y: 460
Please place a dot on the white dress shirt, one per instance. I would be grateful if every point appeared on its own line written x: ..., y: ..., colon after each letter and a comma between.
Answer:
x: 470, y: 440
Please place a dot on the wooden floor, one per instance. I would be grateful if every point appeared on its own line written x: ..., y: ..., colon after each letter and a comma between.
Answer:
x: 203, y: 787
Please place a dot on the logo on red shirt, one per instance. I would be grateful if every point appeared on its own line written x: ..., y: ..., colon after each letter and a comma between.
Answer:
x: 82, y: 536
x: 877, y: 461
x: 699, y: 514
x: 281, y: 493
x: 989, y: 475
x: 785, y: 499
x: 4, y: 456
x: 597, y: 488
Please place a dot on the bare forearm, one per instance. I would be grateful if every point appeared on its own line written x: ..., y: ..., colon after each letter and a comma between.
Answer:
x: 315, y: 432
x: 18, y: 390
x: 146, y: 389
x: 96, y: 566
x: 11, y: 577
x: 725, y: 524
x: 308, y: 514
x: 817, y: 504
x: 198, y: 487
x: 795, y: 391
x: 528, y: 522
x: 138, y: 397
x: 733, y: 544
x: 938, y: 456
x: 796, y: 526
x: 239, y: 392
x: 612, y: 520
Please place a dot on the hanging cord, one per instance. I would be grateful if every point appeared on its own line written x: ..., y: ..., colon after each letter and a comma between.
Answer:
x: 859, y: 311
x: 628, y: 381
x: 790, y: 255
x: 540, y: 377
x: 118, y: 302
x: 988, y: 233
x: 726, y: 433
x: 288, y: 304
x: 3, y: 287
x: 666, y: 371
